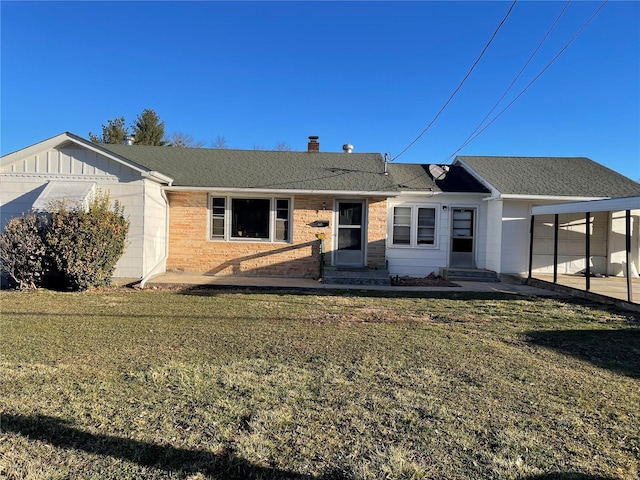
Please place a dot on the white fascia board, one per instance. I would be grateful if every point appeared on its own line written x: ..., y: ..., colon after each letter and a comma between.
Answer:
x: 282, y: 191
x: 56, y: 141
x: 33, y: 149
x: 605, y: 205
x: 417, y: 193
x: 429, y: 193
x: 158, y: 177
x: 558, y: 198
x: 545, y: 198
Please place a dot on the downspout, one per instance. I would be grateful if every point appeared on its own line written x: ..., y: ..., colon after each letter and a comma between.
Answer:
x: 152, y: 272
x: 627, y: 249
x: 531, y: 228
x: 555, y: 248
x: 587, y: 249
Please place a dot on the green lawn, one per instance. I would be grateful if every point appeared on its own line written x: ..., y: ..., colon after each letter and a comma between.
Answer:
x: 237, y: 384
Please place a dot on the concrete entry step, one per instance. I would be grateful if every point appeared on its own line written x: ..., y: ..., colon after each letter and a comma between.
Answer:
x: 468, y: 275
x: 355, y: 276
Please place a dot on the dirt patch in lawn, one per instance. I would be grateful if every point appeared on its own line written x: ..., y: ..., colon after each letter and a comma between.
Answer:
x: 430, y: 280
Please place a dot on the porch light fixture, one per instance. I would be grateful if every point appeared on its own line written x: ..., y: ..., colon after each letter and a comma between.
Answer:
x: 444, y: 208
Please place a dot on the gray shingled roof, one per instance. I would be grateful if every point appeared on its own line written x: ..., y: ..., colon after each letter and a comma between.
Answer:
x: 554, y: 176
x: 409, y: 176
x: 217, y: 168
x: 357, y: 172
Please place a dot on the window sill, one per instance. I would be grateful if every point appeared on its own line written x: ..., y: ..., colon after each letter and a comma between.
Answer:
x: 418, y: 247
x: 248, y: 240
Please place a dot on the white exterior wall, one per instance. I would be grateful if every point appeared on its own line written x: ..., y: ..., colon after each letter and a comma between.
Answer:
x: 155, y: 229
x: 481, y: 233
x: 514, y: 249
x: 494, y: 235
x: 618, y: 246
x: 571, y: 243
x: 420, y: 261
x: 23, y: 181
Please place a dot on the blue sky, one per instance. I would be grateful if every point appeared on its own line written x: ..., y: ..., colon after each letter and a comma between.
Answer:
x: 373, y: 74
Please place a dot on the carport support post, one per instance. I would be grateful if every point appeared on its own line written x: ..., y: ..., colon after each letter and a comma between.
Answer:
x: 531, y: 247
x: 555, y: 248
x: 628, y: 255
x: 587, y: 271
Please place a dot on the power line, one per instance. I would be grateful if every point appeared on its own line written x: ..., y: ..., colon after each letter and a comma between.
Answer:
x: 508, y: 89
x: 474, y: 136
x: 527, y: 87
x: 461, y: 83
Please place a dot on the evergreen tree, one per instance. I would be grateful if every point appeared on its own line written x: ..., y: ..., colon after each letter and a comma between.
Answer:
x: 148, y: 129
x: 113, y: 132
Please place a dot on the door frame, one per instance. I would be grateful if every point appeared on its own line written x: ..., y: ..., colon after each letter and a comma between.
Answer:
x: 474, y: 236
x: 363, y: 231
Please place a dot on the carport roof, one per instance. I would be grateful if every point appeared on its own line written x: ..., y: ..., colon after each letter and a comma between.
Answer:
x: 606, y: 205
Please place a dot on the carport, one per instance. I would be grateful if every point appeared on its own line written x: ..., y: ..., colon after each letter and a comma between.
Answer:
x: 592, y: 245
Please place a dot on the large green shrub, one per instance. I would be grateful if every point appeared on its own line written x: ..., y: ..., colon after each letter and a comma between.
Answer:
x: 22, y: 251
x: 85, y: 244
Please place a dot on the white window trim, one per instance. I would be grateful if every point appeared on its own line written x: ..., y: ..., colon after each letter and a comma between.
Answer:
x: 227, y: 218
x: 413, y: 242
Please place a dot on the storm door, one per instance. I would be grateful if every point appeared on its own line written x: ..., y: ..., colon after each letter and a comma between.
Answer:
x: 462, y: 238
x: 350, y: 234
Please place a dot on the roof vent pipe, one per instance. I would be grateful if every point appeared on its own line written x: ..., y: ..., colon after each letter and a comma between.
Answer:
x: 313, y: 145
x: 347, y: 148
x: 128, y: 139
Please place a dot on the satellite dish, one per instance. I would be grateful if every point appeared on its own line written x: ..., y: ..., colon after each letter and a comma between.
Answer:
x: 438, y: 172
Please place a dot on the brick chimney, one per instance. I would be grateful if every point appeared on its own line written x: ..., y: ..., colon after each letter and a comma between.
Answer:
x: 313, y: 145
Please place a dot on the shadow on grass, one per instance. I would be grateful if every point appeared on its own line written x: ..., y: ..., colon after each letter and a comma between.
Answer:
x: 60, y: 433
x: 222, y: 465
x: 213, y: 290
x: 616, y: 350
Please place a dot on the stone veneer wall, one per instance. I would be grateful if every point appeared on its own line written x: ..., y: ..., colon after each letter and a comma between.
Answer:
x: 377, y: 233
x: 190, y: 249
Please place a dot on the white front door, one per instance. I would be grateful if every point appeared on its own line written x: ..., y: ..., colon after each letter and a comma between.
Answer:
x: 350, y: 233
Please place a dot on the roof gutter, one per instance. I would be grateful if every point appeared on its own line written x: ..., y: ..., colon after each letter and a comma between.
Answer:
x: 359, y: 193
x: 553, y: 198
x: 430, y: 193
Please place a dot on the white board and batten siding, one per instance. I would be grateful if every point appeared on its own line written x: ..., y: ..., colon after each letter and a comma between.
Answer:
x: 24, y: 179
x: 420, y: 260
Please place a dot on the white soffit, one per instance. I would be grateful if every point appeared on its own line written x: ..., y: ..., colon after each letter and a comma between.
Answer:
x: 607, y: 205
x: 75, y: 193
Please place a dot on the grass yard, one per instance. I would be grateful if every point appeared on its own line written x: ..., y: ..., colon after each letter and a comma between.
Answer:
x: 236, y: 384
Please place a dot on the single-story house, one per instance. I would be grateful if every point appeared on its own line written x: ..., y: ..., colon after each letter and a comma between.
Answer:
x: 251, y: 212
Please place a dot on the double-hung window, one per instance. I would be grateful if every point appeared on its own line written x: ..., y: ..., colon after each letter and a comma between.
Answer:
x: 255, y: 219
x: 413, y: 225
